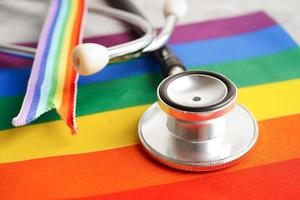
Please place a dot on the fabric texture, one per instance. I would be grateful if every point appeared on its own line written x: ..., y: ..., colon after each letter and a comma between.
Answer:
x: 106, y: 161
x: 53, y: 80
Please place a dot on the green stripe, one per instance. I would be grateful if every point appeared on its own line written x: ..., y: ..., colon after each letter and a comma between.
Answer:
x: 58, y: 55
x: 141, y: 89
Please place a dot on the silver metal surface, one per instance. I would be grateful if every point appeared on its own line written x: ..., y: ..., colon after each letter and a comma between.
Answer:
x: 197, y: 90
x: 134, y: 45
x: 163, y: 36
x: 200, y: 154
x: 196, y: 131
x: 175, y: 70
x: 24, y: 51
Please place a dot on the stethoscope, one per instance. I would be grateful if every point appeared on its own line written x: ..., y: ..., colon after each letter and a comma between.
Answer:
x: 196, y: 124
x: 86, y: 57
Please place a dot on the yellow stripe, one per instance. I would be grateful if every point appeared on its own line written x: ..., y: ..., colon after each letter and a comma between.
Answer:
x: 64, y: 57
x: 119, y: 128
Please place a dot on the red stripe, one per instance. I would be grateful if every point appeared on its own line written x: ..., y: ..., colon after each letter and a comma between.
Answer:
x: 67, y: 107
x: 274, y: 181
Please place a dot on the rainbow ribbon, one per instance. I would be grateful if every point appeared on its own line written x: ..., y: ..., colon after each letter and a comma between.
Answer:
x: 53, y: 81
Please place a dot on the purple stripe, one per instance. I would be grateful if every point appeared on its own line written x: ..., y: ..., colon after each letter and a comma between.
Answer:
x: 32, y: 85
x: 208, y: 30
x: 7, y: 60
x: 222, y: 28
x: 113, y: 39
x: 184, y: 33
x: 37, y: 92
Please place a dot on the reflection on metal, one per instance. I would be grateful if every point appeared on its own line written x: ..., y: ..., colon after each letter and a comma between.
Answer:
x: 196, y: 125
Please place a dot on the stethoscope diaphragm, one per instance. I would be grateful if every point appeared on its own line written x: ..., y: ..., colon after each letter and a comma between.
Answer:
x: 196, y: 124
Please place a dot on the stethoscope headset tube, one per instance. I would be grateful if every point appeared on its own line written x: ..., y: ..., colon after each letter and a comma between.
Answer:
x: 198, y: 137
x: 169, y: 63
x: 90, y: 58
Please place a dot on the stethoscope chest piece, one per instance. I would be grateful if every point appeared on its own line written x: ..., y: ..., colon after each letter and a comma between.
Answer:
x: 196, y: 124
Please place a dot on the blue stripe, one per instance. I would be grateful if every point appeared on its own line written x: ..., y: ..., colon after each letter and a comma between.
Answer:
x: 37, y: 91
x: 259, y: 43
x: 197, y: 53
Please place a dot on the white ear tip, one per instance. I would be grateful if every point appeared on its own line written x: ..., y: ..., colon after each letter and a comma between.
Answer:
x: 89, y: 58
x: 176, y: 7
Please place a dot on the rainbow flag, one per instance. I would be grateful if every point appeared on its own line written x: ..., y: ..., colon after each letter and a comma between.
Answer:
x: 106, y: 161
x: 53, y: 81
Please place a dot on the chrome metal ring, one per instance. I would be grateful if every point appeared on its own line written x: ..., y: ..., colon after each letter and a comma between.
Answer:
x: 185, y: 83
x: 196, y: 124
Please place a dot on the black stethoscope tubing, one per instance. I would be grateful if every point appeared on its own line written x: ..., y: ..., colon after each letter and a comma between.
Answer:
x: 164, y: 55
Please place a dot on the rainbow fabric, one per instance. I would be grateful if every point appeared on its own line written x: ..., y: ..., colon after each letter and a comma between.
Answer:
x: 53, y: 81
x: 106, y: 161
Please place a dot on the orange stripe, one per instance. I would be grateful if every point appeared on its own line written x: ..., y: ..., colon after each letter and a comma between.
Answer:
x: 69, y: 74
x: 130, y: 168
x: 274, y: 181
